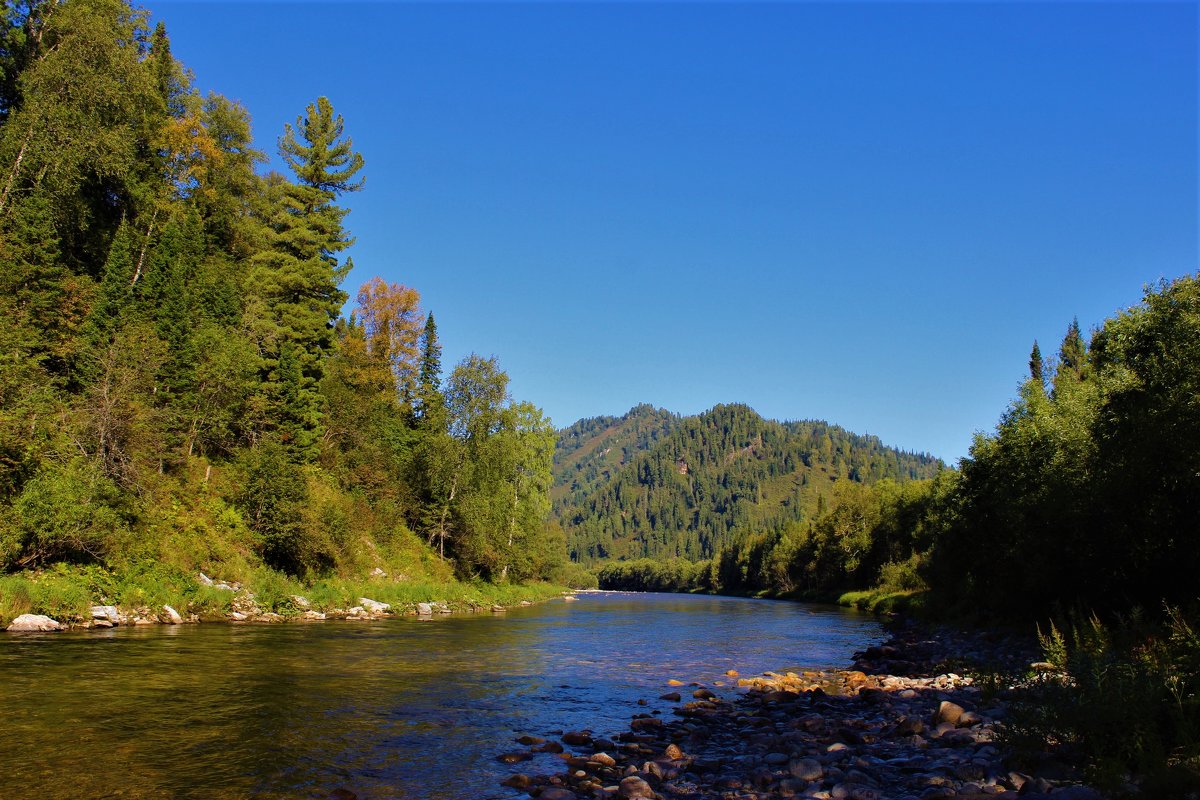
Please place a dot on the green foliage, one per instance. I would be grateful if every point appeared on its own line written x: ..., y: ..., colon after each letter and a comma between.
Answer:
x: 65, y: 512
x: 1125, y: 702
x: 654, y: 485
x: 1101, y: 474
x: 177, y: 391
x: 648, y: 575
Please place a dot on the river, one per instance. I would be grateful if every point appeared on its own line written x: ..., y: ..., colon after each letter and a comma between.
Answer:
x: 397, y: 708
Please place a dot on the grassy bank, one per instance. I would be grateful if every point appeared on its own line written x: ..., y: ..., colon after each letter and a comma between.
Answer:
x: 66, y: 593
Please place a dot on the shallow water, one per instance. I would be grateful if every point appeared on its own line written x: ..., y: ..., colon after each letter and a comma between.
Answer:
x: 397, y: 708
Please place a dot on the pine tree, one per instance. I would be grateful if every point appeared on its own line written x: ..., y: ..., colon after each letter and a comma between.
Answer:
x: 1036, y: 367
x: 295, y: 277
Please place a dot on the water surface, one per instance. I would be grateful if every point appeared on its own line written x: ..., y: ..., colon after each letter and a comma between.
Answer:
x: 397, y: 708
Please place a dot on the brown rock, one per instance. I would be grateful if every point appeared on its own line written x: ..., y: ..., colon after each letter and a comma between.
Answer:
x: 949, y: 712
x: 635, y: 787
x: 670, y: 696
x: 517, y: 781
x: 576, y: 738
x: 673, y: 752
x: 515, y: 757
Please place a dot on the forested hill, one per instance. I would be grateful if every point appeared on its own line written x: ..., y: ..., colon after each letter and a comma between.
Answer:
x: 654, y: 484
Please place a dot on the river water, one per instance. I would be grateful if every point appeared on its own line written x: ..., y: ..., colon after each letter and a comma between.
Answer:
x: 397, y: 708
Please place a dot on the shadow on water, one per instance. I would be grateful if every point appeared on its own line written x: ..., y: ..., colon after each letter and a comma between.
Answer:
x: 391, y: 709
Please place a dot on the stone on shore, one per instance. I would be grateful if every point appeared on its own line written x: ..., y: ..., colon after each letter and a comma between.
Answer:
x: 172, y: 616
x: 425, y: 609
x: 34, y: 622
x: 634, y: 787
x: 374, y: 606
x: 949, y: 712
x: 107, y: 613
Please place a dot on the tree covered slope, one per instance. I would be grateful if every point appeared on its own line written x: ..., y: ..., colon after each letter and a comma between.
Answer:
x: 654, y: 484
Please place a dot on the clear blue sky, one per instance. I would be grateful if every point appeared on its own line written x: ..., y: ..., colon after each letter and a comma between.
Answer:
x: 859, y: 212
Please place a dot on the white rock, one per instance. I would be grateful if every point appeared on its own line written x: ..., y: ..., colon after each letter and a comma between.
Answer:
x: 204, y: 579
x: 313, y: 615
x: 108, y: 613
x: 173, y: 615
x: 378, y: 573
x: 34, y: 622
x: 424, y: 609
x: 373, y: 606
x: 300, y: 602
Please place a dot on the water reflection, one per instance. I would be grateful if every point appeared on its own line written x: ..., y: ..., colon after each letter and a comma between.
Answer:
x: 396, y: 708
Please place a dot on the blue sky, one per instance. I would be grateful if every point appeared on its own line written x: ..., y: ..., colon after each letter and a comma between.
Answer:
x: 858, y: 212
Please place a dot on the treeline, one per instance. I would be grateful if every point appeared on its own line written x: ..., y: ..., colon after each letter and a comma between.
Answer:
x: 655, y: 485
x: 1086, y: 495
x: 176, y: 378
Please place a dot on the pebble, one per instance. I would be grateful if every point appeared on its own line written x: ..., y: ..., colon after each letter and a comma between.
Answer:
x: 894, y: 726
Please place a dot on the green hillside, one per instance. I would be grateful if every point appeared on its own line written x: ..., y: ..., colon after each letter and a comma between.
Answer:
x: 656, y: 485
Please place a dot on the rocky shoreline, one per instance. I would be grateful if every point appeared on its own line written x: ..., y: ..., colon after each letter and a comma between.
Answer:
x: 244, y: 608
x: 901, y: 724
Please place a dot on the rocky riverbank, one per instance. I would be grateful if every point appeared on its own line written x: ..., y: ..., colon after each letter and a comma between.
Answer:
x: 914, y: 718
x: 244, y: 606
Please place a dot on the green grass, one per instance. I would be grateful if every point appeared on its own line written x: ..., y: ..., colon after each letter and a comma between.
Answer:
x: 887, y: 601
x: 66, y: 593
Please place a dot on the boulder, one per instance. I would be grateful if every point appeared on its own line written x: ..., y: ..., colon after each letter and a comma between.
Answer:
x: 635, y: 787
x: 949, y: 712
x: 378, y: 573
x: 424, y: 609
x: 34, y: 622
x: 204, y: 579
x: 806, y: 769
x: 557, y: 793
x: 108, y: 613
x: 672, y: 697
x: 373, y: 606
x: 300, y: 602
x: 172, y: 616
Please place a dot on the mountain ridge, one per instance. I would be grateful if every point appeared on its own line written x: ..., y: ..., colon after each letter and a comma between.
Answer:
x: 655, y: 484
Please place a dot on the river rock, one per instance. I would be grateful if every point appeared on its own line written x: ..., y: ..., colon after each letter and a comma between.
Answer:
x: 635, y: 787
x: 172, y: 616
x: 949, y: 712
x: 300, y: 602
x: 425, y: 609
x: 604, y: 759
x: 672, y: 697
x: 498, y: 609
x: 34, y: 622
x: 373, y: 606
x: 108, y: 613
x: 576, y: 738
x: 806, y: 769
x: 312, y: 615
x: 518, y: 780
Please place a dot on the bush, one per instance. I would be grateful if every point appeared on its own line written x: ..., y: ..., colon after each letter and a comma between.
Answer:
x: 1125, y: 702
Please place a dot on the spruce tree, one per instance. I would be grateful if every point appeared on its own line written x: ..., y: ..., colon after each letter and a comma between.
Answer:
x: 1036, y: 366
x: 295, y: 277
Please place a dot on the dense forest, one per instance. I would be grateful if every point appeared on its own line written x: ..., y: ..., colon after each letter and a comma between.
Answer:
x: 180, y: 388
x: 1086, y: 494
x: 655, y: 485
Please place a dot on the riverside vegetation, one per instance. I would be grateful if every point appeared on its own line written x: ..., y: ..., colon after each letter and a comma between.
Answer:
x: 1080, y: 512
x: 180, y: 392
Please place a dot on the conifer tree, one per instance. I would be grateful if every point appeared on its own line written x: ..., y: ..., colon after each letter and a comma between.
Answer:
x: 296, y: 275
x: 1036, y: 370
